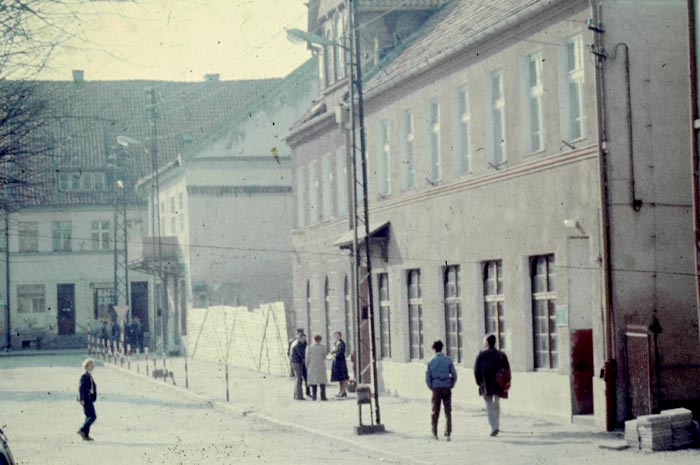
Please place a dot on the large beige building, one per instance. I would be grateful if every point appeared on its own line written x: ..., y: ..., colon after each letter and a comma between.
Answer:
x: 528, y: 175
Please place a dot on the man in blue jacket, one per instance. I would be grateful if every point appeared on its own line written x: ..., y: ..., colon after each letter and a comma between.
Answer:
x: 441, y: 377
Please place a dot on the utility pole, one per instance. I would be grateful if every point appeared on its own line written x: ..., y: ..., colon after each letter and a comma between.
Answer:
x: 162, y: 303
x: 121, y: 271
x: 357, y: 59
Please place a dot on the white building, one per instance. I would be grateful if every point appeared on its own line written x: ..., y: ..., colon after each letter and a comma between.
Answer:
x: 516, y: 186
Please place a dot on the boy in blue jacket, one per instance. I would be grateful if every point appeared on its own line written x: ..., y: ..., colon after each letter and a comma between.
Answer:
x: 440, y: 376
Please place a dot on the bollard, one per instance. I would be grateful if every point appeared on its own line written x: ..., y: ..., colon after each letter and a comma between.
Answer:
x: 227, y: 389
x: 145, y: 353
x: 165, y: 370
x: 121, y: 354
x: 128, y: 356
x: 138, y: 370
x: 187, y: 379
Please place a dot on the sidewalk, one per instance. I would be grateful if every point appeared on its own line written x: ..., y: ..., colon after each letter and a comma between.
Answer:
x: 523, y: 440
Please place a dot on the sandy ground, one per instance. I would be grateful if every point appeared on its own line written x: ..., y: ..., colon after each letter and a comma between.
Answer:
x: 144, y: 421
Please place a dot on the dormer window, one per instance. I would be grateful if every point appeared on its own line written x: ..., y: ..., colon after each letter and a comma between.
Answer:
x: 81, y: 181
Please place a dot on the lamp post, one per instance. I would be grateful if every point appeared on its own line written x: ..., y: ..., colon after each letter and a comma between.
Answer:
x: 357, y: 123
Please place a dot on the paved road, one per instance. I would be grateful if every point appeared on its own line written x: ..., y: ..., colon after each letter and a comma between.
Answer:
x: 140, y: 422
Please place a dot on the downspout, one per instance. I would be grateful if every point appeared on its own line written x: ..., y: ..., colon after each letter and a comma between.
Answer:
x: 608, y: 372
x: 695, y: 127
x: 8, y: 333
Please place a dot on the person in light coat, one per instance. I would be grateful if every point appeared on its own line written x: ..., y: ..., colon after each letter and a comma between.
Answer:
x: 316, y: 367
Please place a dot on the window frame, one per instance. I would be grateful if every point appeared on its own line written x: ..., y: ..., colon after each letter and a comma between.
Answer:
x: 574, y: 75
x: 497, y: 106
x: 384, y: 158
x: 494, y: 325
x: 31, y: 299
x: 548, y: 295
x: 61, y: 234
x: 463, y: 148
x: 28, y: 234
x: 434, y: 142
x: 452, y: 302
x: 384, y: 298
x: 100, y: 235
x: 415, y: 314
x: 534, y: 98
x: 408, y: 145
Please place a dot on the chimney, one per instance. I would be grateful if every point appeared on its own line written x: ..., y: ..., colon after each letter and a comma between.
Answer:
x: 211, y: 77
x: 78, y: 75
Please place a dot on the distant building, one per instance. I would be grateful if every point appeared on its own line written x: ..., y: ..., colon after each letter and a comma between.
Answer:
x: 514, y: 188
x: 61, y: 258
x: 228, y: 202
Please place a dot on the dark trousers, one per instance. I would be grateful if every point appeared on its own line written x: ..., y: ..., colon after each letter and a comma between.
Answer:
x: 90, y: 417
x: 314, y: 390
x: 442, y: 395
x: 299, y: 375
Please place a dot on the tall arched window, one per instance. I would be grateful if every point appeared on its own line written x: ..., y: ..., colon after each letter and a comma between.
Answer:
x: 328, y: 54
x: 327, y: 312
x: 308, y: 308
x: 349, y: 320
x: 340, y: 51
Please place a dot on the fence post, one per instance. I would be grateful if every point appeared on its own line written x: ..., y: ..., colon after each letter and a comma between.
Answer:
x: 227, y: 385
x: 145, y: 352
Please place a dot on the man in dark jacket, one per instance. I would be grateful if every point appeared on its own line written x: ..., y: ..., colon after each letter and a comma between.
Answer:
x: 440, y: 376
x: 87, y: 395
x: 298, y: 358
x: 489, y: 363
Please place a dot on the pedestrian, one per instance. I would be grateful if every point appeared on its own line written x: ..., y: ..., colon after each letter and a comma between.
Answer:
x: 492, y: 375
x: 339, y: 369
x: 104, y: 334
x: 292, y: 341
x: 87, y: 395
x: 137, y: 334
x: 316, y: 366
x: 129, y: 335
x: 116, y: 331
x: 441, y: 376
x: 298, y: 357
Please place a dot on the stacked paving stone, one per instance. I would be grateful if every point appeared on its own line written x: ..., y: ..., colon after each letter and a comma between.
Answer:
x: 672, y: 429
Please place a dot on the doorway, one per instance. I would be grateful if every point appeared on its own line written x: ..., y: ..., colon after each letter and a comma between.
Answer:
x: 66, y: 308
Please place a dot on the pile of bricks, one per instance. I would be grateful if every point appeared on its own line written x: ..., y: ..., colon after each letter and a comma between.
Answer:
x: 670, y: 430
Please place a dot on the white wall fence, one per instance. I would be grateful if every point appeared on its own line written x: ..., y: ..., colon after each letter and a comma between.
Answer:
x: 254, y: 339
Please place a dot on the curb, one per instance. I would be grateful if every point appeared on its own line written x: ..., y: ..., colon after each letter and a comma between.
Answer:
x: 221, y: 406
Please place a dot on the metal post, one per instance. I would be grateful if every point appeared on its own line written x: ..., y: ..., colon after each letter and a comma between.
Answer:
x: 8, y: 333
x: 363, y: 154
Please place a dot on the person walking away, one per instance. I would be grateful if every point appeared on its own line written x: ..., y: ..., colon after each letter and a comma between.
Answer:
x: 441, y: 377
x: 104, y: 334
x: 298, y: 364
x: 339, y: 369
x: 87, y: 395
x: 137, y: 334
x: 492, y: 375
x: 316, y: 366
x: 116, y: 331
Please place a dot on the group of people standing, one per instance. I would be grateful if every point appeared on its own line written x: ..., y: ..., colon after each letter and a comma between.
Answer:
x: 491, y: 373
x: 309, y: 366
x: 133, y: 333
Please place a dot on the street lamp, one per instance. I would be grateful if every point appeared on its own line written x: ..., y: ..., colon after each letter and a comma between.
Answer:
x: 357, y: 122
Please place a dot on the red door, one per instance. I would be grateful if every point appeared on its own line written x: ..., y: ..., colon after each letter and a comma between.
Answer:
x: 582, y: 371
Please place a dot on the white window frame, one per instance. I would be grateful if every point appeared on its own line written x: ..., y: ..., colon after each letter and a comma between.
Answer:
x: 454, y: 318
x: 434, y: 145
x: 548, y: 295
x: 415, y: 316
x: 384, y: 158
x: 573, y: 74
x: 327, y: 186
x: 101, y: 235
x: 464, y: 129
x: 408, y: 138
x: 61, y: 235
x: 497, y: 108
x: 492, y: 278
x: 28, y: 232
x: 384, y: 315
x: 535, y: 130
x: 31, y: 298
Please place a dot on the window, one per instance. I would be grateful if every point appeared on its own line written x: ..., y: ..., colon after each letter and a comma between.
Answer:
x: 349, y: 319
x: 494, y: 301
x: 415, y: 315
x: 63, y: 181
x: 453, y: 313
x: 575, y: 80
x: 75, y: 182
x: 61, y: 233
x: 99, y: 181
x: 103, y: 297
x: 181, y: 211
x: 28, y: 236
x: 340, y: 51
x: 383, y: 160
x: 329, y: 58
x: 314, y: 213
x: 544, y: 313
x: 301, y: 195
x: 534, y: 102
x: 327, y: 311
x: 434, y: 169
x: 100, y: 235
x: 341, y: 169
x: 498, y: 119
x: 308, y: 308
x: 463, y: 137
x: 30, y: 299
x: 328, y: 184
x: 409, y: 175
x: 173, y: 229
x: 384, y: 316
x: 87, y: 181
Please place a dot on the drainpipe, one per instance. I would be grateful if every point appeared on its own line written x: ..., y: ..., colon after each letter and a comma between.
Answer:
x: 8, y: 333
x: 695, y: 162
x: 609, y: 366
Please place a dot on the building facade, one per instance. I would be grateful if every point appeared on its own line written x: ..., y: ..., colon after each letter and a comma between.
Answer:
x: 498, y: 148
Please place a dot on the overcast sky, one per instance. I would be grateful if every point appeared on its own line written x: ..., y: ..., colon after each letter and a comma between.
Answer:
x: 182, y: 40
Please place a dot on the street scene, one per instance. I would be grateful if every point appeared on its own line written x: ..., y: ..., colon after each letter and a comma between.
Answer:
x: 356, y: 231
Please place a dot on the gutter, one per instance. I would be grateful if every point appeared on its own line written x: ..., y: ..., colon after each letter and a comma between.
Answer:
x: 177, y: 162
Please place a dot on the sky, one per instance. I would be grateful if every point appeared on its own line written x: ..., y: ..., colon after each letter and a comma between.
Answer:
x: 181, y: 40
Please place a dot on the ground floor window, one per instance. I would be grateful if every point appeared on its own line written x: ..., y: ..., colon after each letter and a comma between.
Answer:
x: 31, y: 299
x: 415, y: 315
x: 544, y: 313
x: 453, y: 312
x: 384, y: 315
x: 494, y: 301
x: 103, y: 298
